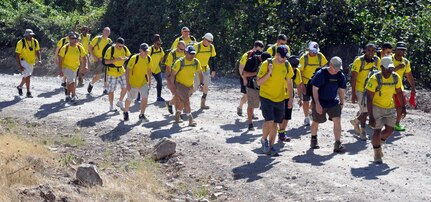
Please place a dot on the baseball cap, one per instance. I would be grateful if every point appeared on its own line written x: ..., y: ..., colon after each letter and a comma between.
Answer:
x: 29, y: 32
x: 190, y: 49
x: 144, y: 46
x: 387, y: 63
x: 386, y: 45
x: 282, y: 50
x: 120, y: 40
x: 282, y: 37
x: 337, y: 62
x: 401, y: 45
x: 73, y: 35
x: 209, y: 37
x: 313, y: 47
x: 185, y: 29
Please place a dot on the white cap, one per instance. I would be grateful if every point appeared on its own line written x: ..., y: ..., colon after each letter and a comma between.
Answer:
x: 387, y: 62
x: 313, y: 47
x: 208, y: 36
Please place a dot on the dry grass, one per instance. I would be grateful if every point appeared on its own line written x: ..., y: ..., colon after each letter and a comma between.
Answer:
x: 22, y: 163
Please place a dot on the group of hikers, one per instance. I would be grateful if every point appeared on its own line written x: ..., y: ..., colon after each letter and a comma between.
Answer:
x: 268, y: 81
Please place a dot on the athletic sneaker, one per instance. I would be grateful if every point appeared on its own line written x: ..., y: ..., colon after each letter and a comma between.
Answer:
x: 273, y: 152
x: 192, y: 122
x: 160, y: 99
x: 105, y: 92
x: 399, y: 127
x: 265, y: 145
x: 68, y: 98
x: 143, y: 118
x: 314, y: 144
x: 29, y: 95
x: 338, y: 147
x: 19, y: 90
x: 355, y: 123
x: 239, y: 111
x: 90, y: 87
x: 120, y: 105
x: 63, y: 84
x: 307, y: 121
x: 282, y: 137
x: 125, y: 116
x: 250, y: 127
x: 74, y: 100
x: 170, y: 110
x: 111, y: 108
x: 254, y: 117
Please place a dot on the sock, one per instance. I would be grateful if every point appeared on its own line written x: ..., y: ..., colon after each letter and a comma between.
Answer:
x: 204, y: 96
x: 376, y: 147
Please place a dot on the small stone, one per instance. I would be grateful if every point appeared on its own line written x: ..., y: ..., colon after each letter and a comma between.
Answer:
x: 216, y: 195
x: 88, y: 175
x: 194, y: 143
x: 428, y: 155
x: 293, y: 177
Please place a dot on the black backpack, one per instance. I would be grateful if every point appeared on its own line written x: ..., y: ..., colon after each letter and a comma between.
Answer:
x: 112, y: 53
x: 309, y: 87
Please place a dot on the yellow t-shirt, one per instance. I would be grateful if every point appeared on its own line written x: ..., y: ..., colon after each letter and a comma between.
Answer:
x: 403, y: 71
x: 271, y: 51
x: 385, y: 99
x: 138, y: 73
x: 186, y: 75
x: 362, y: 75
x: 156, y: 56
x: 274, y: 88
x: 85, y: 41
x: 189, y: 41
x: 25, y: 53
x: 204, y: 54
x: 63, y: 41
x: 71, y: 58
x: 170, y: 58
x: 313, y: 64
x: 297, y: 81
x: 119, y: 69
x: 244, y: 58
x: 97, y: 50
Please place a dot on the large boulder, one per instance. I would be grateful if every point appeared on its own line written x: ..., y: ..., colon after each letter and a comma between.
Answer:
x: 164, y: 148
x: 88, y: 175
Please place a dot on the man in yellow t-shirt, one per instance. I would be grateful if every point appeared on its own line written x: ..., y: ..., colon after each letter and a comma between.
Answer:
x: 205, y: 53
x: 138, y: 76
x: 257, y: 47
x: 85, y: 42
x: 26, y: 53
x: 309, y: 63
x: 361, y: 68
x: 281, y: 40
x: 71, y: 57
x: 186, y: 37
x: 381, y: 105
x: 172, y: 57
x: 183, y: 72
x: 156, y: 52
x: 114, y: 58
x: 403, y: 68
x: 95, y: 49
x: 273, y: 77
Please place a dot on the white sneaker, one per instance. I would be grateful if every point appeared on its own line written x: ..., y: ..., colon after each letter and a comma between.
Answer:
x: 111, y: 108
x: 307, y: 121
x: 120, y: 105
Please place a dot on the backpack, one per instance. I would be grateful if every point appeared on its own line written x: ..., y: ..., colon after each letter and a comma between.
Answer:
x: 182, y: 64
x: 199, y: 49
x: 309, y: 86
x: 136, y: 61
x: 24, y: 44
x: 152, y: 51
x: 319, y: 57
x: 380, y: 84
x: 193, y: 39
x: 67, y: 48
x: 112, y: 54
x: 286, y: 64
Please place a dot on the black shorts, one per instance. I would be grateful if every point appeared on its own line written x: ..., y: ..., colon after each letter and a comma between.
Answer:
x: 243, y: 88
x: 287, y: 111
x: 272, y: 111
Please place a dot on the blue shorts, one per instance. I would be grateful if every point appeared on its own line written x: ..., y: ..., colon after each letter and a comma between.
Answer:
x: 272, y: 111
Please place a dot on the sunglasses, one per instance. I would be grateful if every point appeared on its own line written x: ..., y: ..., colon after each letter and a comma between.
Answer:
x: 181, y: 49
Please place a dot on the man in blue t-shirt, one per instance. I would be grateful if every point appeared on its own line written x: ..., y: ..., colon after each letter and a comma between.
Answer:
x: 329, y: 87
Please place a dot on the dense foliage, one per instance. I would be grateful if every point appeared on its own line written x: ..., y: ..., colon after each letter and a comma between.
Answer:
x: 235, y: 24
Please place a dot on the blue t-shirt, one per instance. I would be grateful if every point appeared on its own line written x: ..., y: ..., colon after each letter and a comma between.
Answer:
x: 328, y: 86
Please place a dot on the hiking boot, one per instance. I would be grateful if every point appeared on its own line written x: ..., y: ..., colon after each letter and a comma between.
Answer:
x: 338, y: 147
x: 254, y: 117
x: 239, y: 111
x: 89, y: 88
x: 170, y: 110
x: 125, y: 116
x: 363, y: 134
x: 314, y: 144
x: 192, y: 122
x: 63, y: 84
x: 120, y: 105
x: 105, y: 92
x: 19, y: 90
x: 282, y: 137
x: 68, y: 98
x: 29, y: 95
x: 272, y: 152
x: 378, y: 155
x: 399, y: 127
x: 355, y: 123
x: 74, y: 100
x: 306, y: 121
x: 250, y: 127
x: 178, y: 117
x: 203, y: 106
x: 143, y: 118
x: 160, y: 99
x: 265, y: 146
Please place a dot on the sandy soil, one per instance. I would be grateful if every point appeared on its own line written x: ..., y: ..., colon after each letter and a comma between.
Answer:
x: 223, y: 158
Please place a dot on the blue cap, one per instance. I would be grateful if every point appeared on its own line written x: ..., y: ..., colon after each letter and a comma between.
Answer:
x: 191, y: 50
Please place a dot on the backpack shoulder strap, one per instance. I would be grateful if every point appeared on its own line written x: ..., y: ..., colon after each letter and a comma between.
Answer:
x: 199, y: 48
x: 63, y: 41
x: 362, y: 59
x: 305, y: 60
x: 286, y: 63
x: 137, y: 59
x: 23, y: 43
x: 181, y: 64
x: 152, y: 51
x: 395, y: 76
x: 270, y: 61
x: 99, y: 39
x: 273, y: 50
x: 36, y: 43
x: 379, y: 82
x: 193, y: 38
x: 196, y: 63
x: 67, y: 49
x: 112, y: 51
x: 174, y: 55
x: 319, y: 57
x: 249, y: 53
x: 376, y: 61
